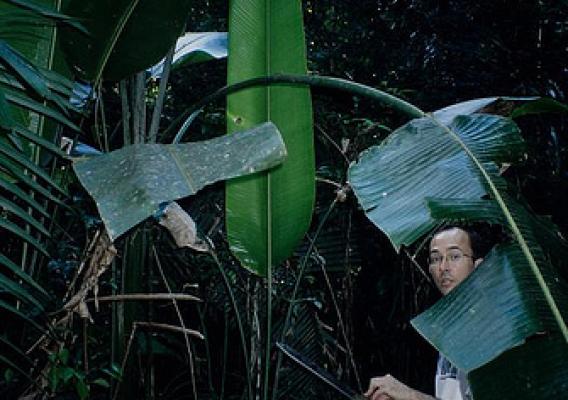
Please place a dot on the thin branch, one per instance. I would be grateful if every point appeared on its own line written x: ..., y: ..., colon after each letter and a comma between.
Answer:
x: 171, y: 328
x: 412, y: 258
x: 148, y: 297
x: 125, y: 113
x: 333, y: 142
x: 178, y: 312
x: 159, y: 104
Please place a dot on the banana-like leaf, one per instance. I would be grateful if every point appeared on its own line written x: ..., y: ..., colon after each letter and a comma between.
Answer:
x: 268, y: 214
x: 487, y: 105
x: 538, y: 228
x: 49, y: 13
x: 125, y: 36
x: 129, y: 184
x: 418, y: 161
x: 429, y: 170
x: 522, y: 374
x: 193, y: 48
x: 498, y: 308
x: 494, y: 310
x: 544, y: 105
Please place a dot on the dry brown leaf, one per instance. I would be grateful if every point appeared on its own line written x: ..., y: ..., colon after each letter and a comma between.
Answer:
x: 103, y: 254
x: 182, y: 227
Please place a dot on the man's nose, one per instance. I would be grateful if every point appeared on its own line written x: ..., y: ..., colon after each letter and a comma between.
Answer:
x: 445, y: 263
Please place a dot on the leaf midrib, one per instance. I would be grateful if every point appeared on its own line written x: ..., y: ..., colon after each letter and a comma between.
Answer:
x: 513, y: 225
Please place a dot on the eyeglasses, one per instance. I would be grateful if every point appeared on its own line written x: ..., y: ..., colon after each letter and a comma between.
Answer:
x: 453, y: 256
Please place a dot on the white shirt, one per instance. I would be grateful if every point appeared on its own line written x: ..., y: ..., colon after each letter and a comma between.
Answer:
x: 451, y: 383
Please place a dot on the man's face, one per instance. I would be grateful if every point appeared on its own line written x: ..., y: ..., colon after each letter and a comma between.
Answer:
x: 451, y: 259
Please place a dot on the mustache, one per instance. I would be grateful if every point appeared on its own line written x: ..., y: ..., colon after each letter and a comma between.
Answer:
x: 446, y: 275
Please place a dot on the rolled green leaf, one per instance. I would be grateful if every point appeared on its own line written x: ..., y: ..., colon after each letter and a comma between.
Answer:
x: 129, y: 184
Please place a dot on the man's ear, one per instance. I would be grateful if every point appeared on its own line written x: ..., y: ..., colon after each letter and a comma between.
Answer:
x: 477, y: 262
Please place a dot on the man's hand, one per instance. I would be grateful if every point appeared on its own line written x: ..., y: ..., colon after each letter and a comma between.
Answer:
x: 388, y: 388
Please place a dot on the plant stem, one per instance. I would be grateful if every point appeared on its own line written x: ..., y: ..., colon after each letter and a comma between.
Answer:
x: 354, y: 88
x: 159, y: 104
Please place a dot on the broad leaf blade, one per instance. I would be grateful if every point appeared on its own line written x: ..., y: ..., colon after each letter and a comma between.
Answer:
x: 193, y: 48
x: 128, y: 185
x: 126, y: 36
x: 268, y: 214
x: 521, y: 374
x: 418, y: 161
x: 495, y: 317
x: 544, y: 105
x: 495, y: 309
x: 486, y: 105
x: 50, y: 13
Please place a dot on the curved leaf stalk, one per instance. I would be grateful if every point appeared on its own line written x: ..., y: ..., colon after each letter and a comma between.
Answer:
x: 116, y: 34
x: 514, y: 228
x: 237, y: 314
x: 295, y: 292
x: 328, y: 82
x: 186, y: 125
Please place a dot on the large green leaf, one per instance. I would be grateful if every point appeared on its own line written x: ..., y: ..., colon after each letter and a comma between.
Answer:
x: 520, y: 373
x: 431, y: 170
x: 268, y: 214
x: 126, y: 36
x: 419, y: 160
x: 129, y: 184
x: 498, y: 308
x: 495, y: 309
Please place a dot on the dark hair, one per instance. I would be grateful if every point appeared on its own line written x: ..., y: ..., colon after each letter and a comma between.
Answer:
x: 481, y: 237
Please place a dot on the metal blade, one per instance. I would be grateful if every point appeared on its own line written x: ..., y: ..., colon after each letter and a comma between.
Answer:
x: 319, y: 372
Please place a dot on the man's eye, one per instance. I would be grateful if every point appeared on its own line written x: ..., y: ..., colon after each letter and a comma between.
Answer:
x: 454, y: 256
x: 435, y: 259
